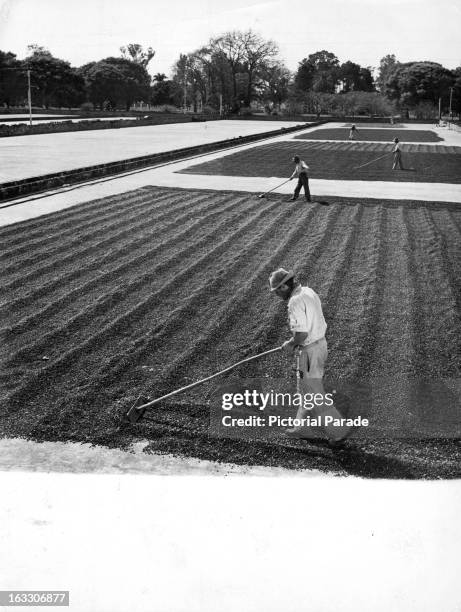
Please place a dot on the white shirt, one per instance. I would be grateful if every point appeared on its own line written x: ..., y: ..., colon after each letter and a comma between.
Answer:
x: 300, y: 167
x: 305, y: 314
x: 397, y: 147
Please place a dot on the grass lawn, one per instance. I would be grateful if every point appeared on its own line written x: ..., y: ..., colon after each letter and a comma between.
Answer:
x: 367, y: 134
x: 337, y: 162
x: 145, y: 292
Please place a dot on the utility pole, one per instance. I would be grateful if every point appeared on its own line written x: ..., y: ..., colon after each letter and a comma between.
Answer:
x: 185, y: 94
x: 185, y: 85
x: 451, y: 98
x: 440, y: 110
x: 29, y: 97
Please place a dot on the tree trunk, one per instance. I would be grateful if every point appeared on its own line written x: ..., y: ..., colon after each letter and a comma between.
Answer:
x: 234, y: 83
x: 249, y: 88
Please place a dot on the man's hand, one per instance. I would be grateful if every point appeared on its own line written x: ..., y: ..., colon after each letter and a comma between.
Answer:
x: 288, y: 346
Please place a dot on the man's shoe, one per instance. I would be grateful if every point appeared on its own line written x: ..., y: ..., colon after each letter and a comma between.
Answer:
x: 292, y: 199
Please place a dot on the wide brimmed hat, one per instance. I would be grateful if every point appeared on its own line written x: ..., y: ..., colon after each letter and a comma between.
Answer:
x: 279, y: 277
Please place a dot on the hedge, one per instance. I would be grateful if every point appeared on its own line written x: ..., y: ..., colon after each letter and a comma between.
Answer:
x: 104, y: 124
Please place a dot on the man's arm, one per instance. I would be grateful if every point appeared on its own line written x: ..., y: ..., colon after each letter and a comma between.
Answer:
x: 295, y: 342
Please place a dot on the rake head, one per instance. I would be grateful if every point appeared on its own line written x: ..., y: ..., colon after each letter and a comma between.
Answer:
x: 133, y: 415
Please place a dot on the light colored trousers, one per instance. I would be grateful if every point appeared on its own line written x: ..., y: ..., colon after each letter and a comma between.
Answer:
x: 312, y: 366
x: 313, y: 359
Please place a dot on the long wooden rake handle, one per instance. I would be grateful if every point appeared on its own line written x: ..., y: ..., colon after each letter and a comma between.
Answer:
x: 372, y: 161
x: 274, y: 188
x: 135, y: 413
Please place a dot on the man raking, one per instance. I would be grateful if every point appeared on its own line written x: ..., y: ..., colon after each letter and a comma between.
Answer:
x: 308, y: 326
x: 300, y: 171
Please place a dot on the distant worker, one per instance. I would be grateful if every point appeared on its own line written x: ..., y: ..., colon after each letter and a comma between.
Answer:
x: 352, y: 132
x: 300, y: 171
x: 397, y: 156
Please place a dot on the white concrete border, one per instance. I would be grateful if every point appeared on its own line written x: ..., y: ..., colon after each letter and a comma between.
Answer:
x: 17, y: 454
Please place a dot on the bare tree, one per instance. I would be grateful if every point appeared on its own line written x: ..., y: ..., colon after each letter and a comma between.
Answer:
x: 275, y: 80
x: 258, y: 56
x: 230, y: 45
x: 136, y: 53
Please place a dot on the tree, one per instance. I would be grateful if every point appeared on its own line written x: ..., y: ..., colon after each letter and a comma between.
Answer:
x: 275, y: 80
x: 355, y: 78
x: 165, y: 92
x: 115, y: 80
x: 387, y: 66
x: 53, y: 79
x: 232, y: 67
x: 136, y: 54
x: 181, y: 77
x: 13, y: 80
x: 304, y: 76
x: 318, y: 72
x: 326, y: 66
x: 218, y: 74
x: 257, y: 59
x: 242, y: 56
x: 361, y: 103
x: 456, y: 97
x: 366, y: 82
x: 349, y: 75
x: 230, y: 49
x: 104, y: 83
x: 416, y: 82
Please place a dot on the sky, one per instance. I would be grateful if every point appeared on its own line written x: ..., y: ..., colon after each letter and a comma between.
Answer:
x: 362, y: 31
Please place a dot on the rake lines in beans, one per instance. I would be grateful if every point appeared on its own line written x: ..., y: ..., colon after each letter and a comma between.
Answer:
x: 61, y: 220
x: 325, y: 268
x: 108, y: 301
x: 163, y: 332
x: 55, y: 256
x: 48, y: 236
x: 109, y: 331
x: 319, y: 261
x: 229, y: 314
x: 123, y: 249
x: 394, y: 349
x: 437, y: 315
x: 451, y: 233
x: 372, y: 300
x: 347, y: 304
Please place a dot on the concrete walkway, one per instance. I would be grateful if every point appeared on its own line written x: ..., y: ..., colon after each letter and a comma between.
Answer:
x: 166, y: 175
x: 29, y: 156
